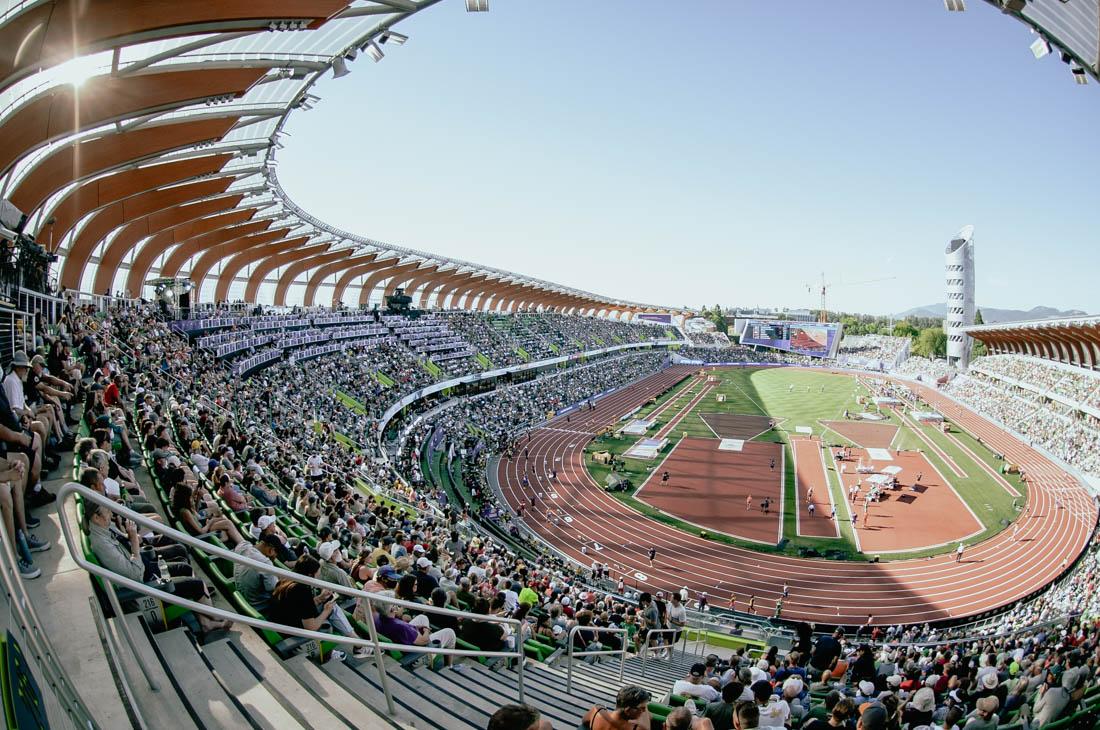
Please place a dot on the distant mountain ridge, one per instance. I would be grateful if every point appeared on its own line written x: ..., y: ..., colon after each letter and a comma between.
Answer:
x: 991, y: 315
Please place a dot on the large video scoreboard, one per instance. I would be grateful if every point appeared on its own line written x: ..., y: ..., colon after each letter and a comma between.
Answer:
x: 803, y: 338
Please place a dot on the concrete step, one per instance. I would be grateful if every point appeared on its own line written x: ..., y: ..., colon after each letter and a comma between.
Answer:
x: 164, y: 707
x: 334, y: 695
x: 293, y: 693
x: 264, y: 706
x: 460, y: 699
x: 413, y: 709
x: 200, y: 688
x: 501, y: 688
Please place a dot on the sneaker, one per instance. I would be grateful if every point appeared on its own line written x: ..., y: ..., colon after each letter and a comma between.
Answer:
x: 32, y: 522
x: 363, y: 652
x: 35, y: 545
x: 21, y: 547
x: 337, y: 656
x: 41, y: 497
x: 28, y: 571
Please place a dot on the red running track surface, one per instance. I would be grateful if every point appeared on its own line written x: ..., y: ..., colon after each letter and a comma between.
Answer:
x: 996, y: 572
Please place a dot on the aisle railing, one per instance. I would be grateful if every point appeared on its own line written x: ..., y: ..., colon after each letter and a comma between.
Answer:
x: 572, y: 653
x: 24, y: 618
x: 112, y: 580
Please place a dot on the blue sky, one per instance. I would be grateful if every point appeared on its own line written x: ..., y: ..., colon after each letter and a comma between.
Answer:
x: 718, y: 152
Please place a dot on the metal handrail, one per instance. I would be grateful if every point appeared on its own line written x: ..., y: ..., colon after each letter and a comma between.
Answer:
x: 111, y: 578
x: 39, y: 643
x: 621, y: 652
x: 671, y: 648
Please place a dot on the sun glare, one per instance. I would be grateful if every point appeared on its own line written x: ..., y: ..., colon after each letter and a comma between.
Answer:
x: 78, y: 70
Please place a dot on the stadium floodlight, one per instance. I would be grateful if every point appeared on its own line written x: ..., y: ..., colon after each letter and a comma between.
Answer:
x: 1014, y: 6
x: 352, y: 54
x: 374, y: 51
x: 955, y: 6
x: 477, y: 6
x: 1079, y: 75
x: 339, y: 67
x: 391, y: 37
x: 1040, y: 48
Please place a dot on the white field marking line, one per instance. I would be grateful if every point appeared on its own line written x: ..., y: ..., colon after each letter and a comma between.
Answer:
x: 700, y: 415
x: 935, y: 447
x: 990, y: 599
x: 656, y: 470
x: 668, y: 427
x: 783, y: 491
x: 798, y: 496
x: 981, y: 463
x: 843, y: 493
x: 842, y: 436
x: 957, y: 495
x: 763, y: 410
x: 970, y: 586
x: 687, y: 389
x: 829, y: 488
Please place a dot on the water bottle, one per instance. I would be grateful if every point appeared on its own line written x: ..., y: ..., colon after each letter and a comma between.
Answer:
x: 163, y: 568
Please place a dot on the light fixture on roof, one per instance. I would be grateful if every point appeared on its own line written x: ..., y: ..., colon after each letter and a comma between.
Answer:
x: 374, y: 51
x: 352, y: 54
x: 1040, y: 48
x: 955, y: 6
x: 339, y: 67
x: 392, y: 38
x: 477, y: 6
x: 1079, y: 75
x: 1015, y: 6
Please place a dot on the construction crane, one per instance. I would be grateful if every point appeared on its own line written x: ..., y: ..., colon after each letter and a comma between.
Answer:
x: 823, y: 313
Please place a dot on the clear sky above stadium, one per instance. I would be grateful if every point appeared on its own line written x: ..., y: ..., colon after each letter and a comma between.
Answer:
x: 718, y: 152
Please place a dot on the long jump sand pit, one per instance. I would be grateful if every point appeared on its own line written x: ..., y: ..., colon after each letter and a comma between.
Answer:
x: 921, y: 514
x: 868, y: 435
x: 736, y: 425
x: 709, y: 487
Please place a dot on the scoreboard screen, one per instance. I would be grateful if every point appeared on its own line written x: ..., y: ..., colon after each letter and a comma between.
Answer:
x: 803, y: 338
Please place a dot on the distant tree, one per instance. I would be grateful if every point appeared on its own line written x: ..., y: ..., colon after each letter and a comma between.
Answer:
x: 978, y: 317
x: 978, y: 350
x: 904, y: 329
x: 931, y: 343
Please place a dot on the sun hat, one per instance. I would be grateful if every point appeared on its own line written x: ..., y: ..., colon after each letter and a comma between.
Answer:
x: 924, y: 700
x: 866, y: 688
x: 265, y: 521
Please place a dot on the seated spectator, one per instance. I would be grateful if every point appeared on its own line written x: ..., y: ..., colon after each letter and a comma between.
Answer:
x: 255, y: 585
x: 518, y: 717
x: 296, y: 604
x: 417, y: 632
x: 631, y: 712
x: 693, y: 685
x: 682, y: 719
x: 984, y: 717
x: 720, y: 712
x: 331, y: 572
x: 774, y: 712
x: 746, y: 716
x: 184, y: 506
x: 840, y: 714
x: 485, y: 635
x: 128, y: 563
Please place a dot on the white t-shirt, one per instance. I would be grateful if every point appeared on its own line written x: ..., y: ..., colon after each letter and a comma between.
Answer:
x: 703, y: 691
x: 677, y: 615
x: 775, y: 713
x: 315, y: 463
x: 13, y: 388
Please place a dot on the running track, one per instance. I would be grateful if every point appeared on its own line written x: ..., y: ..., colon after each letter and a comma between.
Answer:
x: 996, y: 572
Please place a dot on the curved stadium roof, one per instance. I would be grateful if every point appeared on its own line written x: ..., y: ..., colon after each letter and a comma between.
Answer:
x: 140, y: 139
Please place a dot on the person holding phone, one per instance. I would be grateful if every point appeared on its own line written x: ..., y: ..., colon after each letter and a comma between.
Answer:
x: 301, y: 606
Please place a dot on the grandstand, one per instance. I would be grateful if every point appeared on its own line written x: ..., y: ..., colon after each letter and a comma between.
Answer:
x: 241, y: 492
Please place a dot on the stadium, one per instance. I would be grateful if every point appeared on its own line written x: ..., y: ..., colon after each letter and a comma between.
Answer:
x: 261, y: 471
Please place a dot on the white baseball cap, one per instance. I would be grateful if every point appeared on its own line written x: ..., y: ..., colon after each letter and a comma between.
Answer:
x: 265, y: 522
